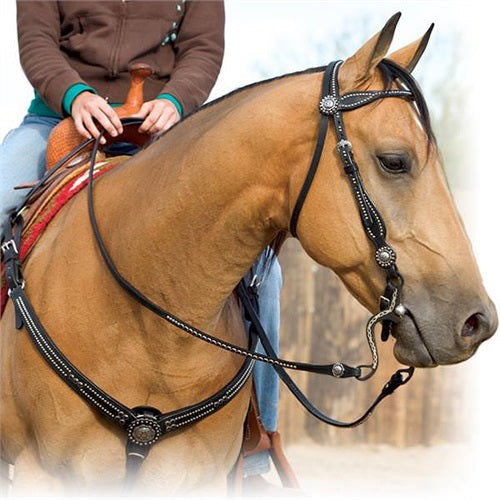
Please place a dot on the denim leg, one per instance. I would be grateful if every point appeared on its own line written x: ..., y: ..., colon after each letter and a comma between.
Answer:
x: 265, y: 378
x: 22, y: 159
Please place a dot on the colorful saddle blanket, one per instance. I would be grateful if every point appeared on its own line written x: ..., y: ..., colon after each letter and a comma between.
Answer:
x: 41, y: 211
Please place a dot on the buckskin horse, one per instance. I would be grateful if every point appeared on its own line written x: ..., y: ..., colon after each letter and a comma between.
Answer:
x: 184, y: 220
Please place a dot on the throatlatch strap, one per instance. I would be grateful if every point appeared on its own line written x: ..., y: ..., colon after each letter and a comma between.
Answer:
x: 318, y: 150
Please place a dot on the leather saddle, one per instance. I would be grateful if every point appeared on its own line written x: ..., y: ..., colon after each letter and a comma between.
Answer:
x: 64, y: 139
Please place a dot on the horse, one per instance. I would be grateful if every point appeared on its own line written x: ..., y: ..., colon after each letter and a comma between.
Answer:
x: 184, y: 220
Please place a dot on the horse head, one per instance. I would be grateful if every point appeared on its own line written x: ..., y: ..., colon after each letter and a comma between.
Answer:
x: 447, y: 310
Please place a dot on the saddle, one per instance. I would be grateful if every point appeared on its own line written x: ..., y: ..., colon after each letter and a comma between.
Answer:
x: 66, y: 176
x: 64, y: 138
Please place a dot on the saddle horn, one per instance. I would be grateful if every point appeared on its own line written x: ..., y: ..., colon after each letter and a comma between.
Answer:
x: 64, y: 138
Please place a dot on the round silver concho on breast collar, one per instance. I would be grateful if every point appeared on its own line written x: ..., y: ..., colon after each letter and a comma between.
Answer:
x: 144, y: 431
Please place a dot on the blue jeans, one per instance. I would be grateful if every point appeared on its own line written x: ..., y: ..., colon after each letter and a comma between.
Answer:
x: 22, y: 160
x: 265, y: 378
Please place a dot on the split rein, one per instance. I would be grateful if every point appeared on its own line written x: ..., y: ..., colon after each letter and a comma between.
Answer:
x: 145, y: 425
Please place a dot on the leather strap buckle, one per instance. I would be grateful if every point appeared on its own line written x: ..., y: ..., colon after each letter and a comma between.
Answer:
x: 9, y: 245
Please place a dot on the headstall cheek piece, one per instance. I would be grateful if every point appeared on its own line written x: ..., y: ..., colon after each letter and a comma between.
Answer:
x: 144, y: 425
x: 331, y: 106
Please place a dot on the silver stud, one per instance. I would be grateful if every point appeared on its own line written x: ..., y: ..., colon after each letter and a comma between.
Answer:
x: 144, y: 431
x: 343, y: 143
x: 384, y: 256
x: 173, y: 37
x: 338, y: 370
x: 179, y: 8
x: 400, y: 310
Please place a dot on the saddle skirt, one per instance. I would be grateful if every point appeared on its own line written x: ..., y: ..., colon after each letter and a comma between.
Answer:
x: 46, y: 204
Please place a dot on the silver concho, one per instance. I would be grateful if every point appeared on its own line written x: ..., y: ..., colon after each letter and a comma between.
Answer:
x: 385, y: 256
x: 329, y: 105
x: 144, y: 431
x: 338, y: 370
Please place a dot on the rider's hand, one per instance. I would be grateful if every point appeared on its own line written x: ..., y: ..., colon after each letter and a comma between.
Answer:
x: 159, y: 115
x: 88, y: 108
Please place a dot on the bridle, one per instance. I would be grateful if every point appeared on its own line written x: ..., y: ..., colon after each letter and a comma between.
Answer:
x: 332, y: 105
x: 144, y: 425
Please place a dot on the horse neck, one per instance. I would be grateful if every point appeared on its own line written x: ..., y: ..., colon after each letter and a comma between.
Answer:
x: 191, y: 213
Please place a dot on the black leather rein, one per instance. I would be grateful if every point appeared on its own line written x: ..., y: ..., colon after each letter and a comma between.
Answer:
x: 145, y: 425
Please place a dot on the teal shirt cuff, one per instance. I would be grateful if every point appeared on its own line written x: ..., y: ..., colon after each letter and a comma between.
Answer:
x: 173, y: 100
x: 71, y: 94
x: 39, y: 107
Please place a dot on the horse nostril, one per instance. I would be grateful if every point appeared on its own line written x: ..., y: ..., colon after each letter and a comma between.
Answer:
x: 471, y: 326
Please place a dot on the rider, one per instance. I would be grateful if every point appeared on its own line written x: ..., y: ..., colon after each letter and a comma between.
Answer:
x: 61, y: 50
x: 76, y: 55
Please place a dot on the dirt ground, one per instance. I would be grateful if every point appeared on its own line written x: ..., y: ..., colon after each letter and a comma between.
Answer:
x: 447, y: 471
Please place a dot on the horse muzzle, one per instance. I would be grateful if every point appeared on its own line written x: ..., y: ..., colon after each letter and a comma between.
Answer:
x: 442, y: 335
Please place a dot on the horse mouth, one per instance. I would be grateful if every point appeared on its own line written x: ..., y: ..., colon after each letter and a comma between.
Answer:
x: 411, y: 347
x: 431, y: 345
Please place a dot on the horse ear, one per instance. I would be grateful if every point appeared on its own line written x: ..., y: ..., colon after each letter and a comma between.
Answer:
x: 361, y: 65
x: 408, y: 56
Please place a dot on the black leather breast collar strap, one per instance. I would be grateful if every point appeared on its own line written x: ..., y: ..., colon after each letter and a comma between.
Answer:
x: 144, y: 425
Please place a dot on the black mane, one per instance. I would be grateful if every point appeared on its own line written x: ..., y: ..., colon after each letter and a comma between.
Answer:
x: 256, y: 84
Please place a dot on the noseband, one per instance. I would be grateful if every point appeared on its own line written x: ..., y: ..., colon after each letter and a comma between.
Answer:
x: 143, y: 425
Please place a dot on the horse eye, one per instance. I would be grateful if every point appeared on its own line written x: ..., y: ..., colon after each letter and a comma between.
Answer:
x: 394, y: 163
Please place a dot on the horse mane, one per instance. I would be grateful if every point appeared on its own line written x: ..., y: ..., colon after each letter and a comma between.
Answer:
x: 255, y: 84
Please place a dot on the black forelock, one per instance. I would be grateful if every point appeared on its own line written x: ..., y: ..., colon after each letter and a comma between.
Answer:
x: 392, y: 72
